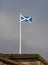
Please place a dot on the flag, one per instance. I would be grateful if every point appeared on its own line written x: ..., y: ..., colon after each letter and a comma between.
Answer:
x: 25, y: 19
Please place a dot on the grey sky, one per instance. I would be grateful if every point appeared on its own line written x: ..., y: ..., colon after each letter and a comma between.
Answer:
x: 34, y: 35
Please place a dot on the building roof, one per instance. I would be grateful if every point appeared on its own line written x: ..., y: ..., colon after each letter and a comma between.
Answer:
x: 10, y: 61
x: 25, y: 56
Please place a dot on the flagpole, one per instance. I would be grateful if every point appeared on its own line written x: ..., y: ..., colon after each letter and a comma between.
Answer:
x: 24, y: 19
x: 20, y: 39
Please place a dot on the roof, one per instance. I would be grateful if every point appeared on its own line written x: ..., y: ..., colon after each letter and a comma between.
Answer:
x: 11, y: 61
x: 25, y: 56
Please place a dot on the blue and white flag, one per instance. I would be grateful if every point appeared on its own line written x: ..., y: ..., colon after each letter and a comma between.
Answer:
x: 25, y: 19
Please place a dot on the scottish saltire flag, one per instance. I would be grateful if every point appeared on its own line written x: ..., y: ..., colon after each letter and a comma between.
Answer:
x: 25, y: 19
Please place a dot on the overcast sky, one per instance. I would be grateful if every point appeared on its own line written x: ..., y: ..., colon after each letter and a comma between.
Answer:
x: 34, y: 35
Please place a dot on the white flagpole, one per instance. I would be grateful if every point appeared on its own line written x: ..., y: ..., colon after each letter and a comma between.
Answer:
x: 20, y: 37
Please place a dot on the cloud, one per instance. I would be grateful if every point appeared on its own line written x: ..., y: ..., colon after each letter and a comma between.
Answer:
x: 7, y: 26
x: 9, y: 33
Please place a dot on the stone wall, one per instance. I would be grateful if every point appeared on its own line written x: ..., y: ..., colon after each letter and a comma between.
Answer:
x: 25, y: 63
x: 32, y: 63
x: 1, y: 63
x: 41, y: 63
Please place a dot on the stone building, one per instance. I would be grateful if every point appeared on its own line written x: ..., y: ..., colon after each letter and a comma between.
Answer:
x: 22, y: 59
